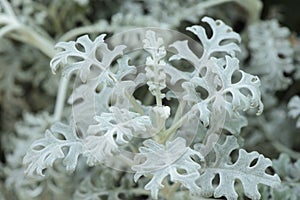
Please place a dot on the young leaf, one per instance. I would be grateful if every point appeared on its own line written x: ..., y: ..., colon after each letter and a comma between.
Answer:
x: 155, y: 63
x: 115, y: 128
x: 120, y: 122
x: 98, y: 149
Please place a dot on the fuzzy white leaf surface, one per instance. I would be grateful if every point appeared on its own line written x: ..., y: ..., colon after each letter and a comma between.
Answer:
x: 112, y: 129
x: 155, y: 63
x: 82, y: 54
x: 214, y: 84
x: 250, y: 175
x: 163, y: 160
x: 45, y: 151
x: 223, y: 40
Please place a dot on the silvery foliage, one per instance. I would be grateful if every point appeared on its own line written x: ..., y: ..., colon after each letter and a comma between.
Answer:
x: 289, y: 174
x: 272, y: 64
x: 23, y: 187
x: 102, y: 184
x: 27, y: 90
x: 164, y: 160
x: 242, y: 169
x: 214, y: 72
x: 106, y: 131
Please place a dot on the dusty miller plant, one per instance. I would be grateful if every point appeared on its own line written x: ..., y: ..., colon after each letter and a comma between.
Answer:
x: 146, y: 113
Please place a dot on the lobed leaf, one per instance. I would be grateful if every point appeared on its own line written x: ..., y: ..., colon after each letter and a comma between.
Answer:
x: 45, y: 151
x: 163, y: 160
x: 120, y: 122
x: 114, y: 128
x: 242, y: 169
x: 222, y: 92
x: 223, y: 40
x: 84, y: 54
x: 98, y: 149
x: 213, y: 86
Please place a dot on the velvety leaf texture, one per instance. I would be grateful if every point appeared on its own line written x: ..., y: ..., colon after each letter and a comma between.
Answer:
x: 120, y: 122
x: 155, y: 63
x: 44, y: 152
x: 163, y: 160
x: 222, y: 92
x: 113, y: 129
x: 83, y: 54
x: 83, y: 100
x: 242, y: 169
x: 221, y: 34
x: 136, y: 100
x: 98, y: 149
x: 213, y: 85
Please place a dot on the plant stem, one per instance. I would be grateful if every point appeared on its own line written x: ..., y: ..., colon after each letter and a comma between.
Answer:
x: 8, y: 9
x: 136, y: 106
x: 29, y: 36
x: 47, y: 47
x: 282, y: 148
x: 169, y: 133
x: 179, y: 111
x: 95, y: 28
x: 60, y: 100
x: 253, y: 7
